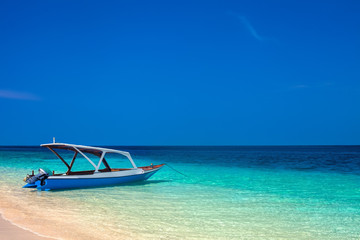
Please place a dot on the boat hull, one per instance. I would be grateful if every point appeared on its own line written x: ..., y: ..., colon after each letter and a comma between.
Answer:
x: 88, y: 181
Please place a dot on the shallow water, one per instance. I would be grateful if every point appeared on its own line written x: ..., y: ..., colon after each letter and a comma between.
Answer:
x: 229, y: 193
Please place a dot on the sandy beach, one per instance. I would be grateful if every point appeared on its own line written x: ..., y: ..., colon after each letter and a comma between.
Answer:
x: 9, y: 231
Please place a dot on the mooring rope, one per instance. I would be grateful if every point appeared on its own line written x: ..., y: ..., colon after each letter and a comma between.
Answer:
x: 176, y: 170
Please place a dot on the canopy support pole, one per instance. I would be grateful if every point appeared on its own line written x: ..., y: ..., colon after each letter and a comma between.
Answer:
x: 106, y: 164
x: 101, y: 158
x: 91, y: 162
x: 72, y: 162
x: 67, y: 165
x: 130, y: 159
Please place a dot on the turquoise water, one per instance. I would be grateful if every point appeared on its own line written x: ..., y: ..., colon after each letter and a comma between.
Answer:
x: 229, y: 193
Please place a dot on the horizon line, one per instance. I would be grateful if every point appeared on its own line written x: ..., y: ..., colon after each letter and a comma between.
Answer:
x: 253, y: 145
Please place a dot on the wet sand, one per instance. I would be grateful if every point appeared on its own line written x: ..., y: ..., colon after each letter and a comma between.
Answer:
x: 9, y: 231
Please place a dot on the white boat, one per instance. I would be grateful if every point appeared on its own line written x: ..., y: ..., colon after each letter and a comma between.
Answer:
x: 46, y: 180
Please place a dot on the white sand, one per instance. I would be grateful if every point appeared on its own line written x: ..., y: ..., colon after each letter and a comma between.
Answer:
x: 9, y: 231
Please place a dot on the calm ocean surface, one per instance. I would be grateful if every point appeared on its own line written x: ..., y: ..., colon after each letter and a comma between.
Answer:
x: 273, y: 192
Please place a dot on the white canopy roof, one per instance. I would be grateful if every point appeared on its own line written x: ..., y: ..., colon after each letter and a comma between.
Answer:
x: 97, y: 151
x: 83, y: 148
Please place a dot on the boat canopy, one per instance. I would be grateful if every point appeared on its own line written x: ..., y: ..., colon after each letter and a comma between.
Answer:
x: 97, y: 151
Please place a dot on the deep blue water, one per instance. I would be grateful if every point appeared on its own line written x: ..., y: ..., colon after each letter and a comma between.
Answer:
x: 345, y: 159
x: 342, y: 159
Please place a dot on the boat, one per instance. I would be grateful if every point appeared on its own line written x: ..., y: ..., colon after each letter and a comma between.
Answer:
x: 48, y: 180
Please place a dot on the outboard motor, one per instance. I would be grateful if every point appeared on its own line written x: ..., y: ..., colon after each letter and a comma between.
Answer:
x: 42, y: 175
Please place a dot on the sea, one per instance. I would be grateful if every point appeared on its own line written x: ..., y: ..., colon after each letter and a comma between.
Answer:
x: 214, y: 192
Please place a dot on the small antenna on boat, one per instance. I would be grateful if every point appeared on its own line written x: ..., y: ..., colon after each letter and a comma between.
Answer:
x: 53, y: 139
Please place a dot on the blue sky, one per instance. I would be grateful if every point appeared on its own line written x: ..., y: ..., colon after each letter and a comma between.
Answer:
x: 180, y: 72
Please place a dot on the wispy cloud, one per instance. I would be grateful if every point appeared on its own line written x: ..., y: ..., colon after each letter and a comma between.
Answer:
x: 10, y: 94
x: 250, y: 28
x: 313, y: 86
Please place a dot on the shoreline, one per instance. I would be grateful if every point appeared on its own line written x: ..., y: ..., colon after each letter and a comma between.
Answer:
x: 21, y: 219
x: 12, y: 231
